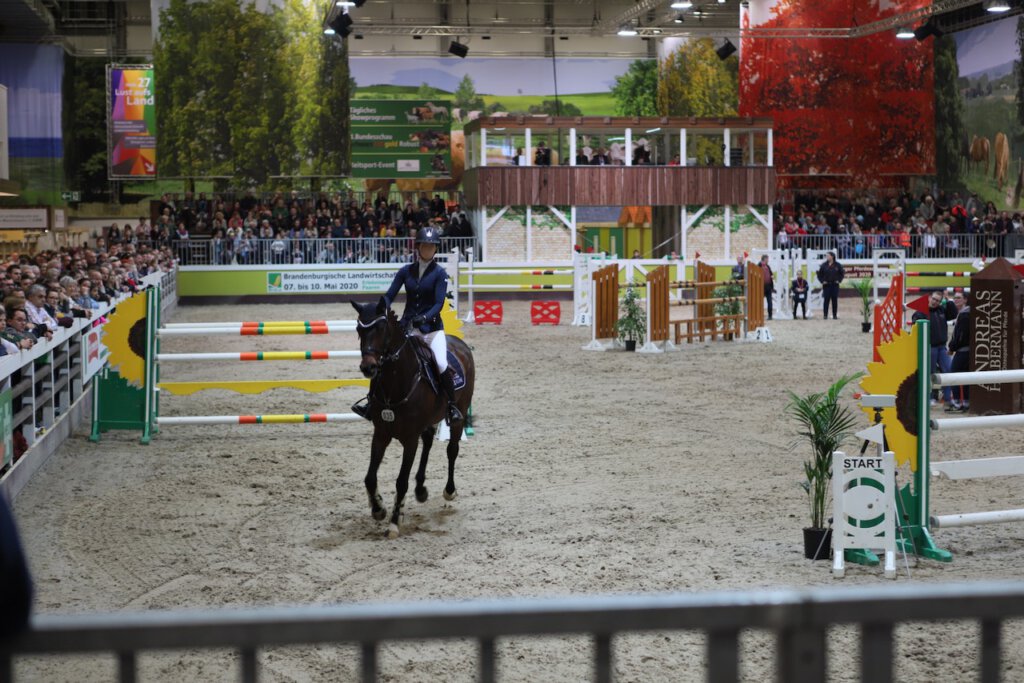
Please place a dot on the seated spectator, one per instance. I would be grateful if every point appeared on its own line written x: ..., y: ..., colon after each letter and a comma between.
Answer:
x: 84, y: 298
x: 35, y: 305
x: 17, y: 331
x: 7, y: 347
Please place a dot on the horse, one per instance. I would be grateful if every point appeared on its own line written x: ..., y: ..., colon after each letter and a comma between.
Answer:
x: 403, y: 405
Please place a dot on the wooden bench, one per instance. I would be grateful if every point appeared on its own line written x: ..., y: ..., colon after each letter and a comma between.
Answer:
x: 703, y: 328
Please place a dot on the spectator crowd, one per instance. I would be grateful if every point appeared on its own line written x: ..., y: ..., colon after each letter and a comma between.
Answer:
x: 293, y: 229
x: 49, y: 290
x: 943, y: 225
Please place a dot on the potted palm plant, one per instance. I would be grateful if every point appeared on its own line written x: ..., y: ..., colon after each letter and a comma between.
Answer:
x: 823, y: 425
x: 863, y: 287
x: 632, y: 324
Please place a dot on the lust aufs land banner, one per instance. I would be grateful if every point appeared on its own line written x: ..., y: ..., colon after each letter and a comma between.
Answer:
x: 131, y: 122
x: 401, y: 139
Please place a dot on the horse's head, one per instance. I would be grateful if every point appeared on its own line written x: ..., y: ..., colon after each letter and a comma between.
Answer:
x: 378, y: 330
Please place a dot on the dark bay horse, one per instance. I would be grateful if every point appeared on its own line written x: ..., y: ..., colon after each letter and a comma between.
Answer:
x: 403, y: 405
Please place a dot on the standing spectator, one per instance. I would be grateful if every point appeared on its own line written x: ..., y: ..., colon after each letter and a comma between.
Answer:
x: 830, y: 274
x: 769, y: 283
x: 542, y: 157
x: 35, y: 306
x: 17, y: 331
x: 739, y: 270
x: 960, y: 349
x: 939, y: 334
x: 16, y: 597
x: 799, y: 291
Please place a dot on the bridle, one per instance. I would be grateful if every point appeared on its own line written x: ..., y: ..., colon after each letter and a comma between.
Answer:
x: 384, y: 357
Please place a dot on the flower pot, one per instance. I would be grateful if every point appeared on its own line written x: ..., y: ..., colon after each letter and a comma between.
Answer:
x: 817, y: 544
x: 865, y: 327
x: 631, y: 344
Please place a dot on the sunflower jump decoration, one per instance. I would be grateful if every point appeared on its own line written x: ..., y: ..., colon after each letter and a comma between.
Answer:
x: 123, y: 395
x: 907, y: 432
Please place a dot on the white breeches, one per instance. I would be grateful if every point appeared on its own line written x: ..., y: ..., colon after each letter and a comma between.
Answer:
x: 439, y: 347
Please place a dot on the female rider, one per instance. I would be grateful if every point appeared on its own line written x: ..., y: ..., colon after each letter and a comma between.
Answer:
x: 426, y: 284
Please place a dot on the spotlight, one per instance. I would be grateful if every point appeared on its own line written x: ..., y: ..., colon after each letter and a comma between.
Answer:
x: 997, y: 6
x: 340, y: 25
x: 678, y: 19
x: 627, y: 30
x: 929, y: 28
x: 904, y: 33
x: 458, y: 49
x: 684, y: 4
x: 727, y: 49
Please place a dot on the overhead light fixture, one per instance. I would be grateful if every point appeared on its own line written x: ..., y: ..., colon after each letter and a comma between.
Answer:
x: 721, y: 2
x: 345, y: 4
x: 996, y: 6
x: 627, y: 30
x: 929, y: 28
x: 904, y: 33
x: 340, y: 25
x: 678, y: 19
x: 726, y: 50
x: 684, y: 4
x: 458, y: 49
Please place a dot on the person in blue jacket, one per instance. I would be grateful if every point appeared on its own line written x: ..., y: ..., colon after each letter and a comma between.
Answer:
x: 426, y: 284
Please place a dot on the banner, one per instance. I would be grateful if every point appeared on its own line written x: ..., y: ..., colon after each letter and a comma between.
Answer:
x: 401, y: 139
x: 131, y: 126
x: 6, y: 430
x: 328, y: 281
x: 94, y: 353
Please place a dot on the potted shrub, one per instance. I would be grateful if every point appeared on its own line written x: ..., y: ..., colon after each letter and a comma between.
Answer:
x: 864, y: 289
x: 724, y: 308
x: 632, y: 323
x: 823, y: 425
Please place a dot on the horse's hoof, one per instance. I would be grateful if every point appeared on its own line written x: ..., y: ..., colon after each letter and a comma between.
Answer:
x: 422, y: 495
x: 450, y: 496
x: 392, y: 531
x: 379, y: 514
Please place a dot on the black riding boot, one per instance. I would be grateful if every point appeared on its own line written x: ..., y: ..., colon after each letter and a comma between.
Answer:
x: 453, y: 414
x: 362, y: 407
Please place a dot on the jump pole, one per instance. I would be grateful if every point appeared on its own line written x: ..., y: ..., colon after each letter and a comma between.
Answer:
x: 258, y: 419
x: 249, y: 331
x: 345, y: 324
x: 258, y: 356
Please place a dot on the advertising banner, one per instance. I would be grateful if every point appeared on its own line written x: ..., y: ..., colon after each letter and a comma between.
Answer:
x: 131, y: 126
x: 326, y: 282
x: 401, y: 139
x: 6, y: 429
x: 25, y: 219
x: 94, y: 351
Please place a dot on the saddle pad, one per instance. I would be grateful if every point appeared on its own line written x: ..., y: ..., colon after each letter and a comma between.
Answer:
x: 458, y: 372
x: 430, y: 368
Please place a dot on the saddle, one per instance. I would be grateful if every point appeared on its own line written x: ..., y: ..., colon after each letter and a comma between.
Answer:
x: 429, y: 368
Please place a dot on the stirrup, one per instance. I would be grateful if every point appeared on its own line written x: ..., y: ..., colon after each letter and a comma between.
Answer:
x: 453, y: 414
x: 362, y: 408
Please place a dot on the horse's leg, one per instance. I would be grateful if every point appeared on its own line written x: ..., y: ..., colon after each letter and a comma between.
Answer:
x: 453, y: 454
x: 402, y: 485
x: 421, y: 472
x: 377, y: 447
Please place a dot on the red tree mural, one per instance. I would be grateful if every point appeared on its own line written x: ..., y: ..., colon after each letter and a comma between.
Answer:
x: 856, y: 107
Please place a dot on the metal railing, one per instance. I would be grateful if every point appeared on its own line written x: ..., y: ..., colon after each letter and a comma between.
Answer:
x: 326, y: 251
x: 848, y: 246
x: 799, y: 619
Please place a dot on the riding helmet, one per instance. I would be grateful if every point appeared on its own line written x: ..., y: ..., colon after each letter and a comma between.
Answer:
x: 427, y: 236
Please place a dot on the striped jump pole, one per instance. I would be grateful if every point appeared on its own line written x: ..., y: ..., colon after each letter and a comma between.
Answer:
x: 927, y: 290
x: 258, y: 356
x: 257, y: 419
x: 259, y: 331
x: 520, y: 287
x: 265, y: 324
x: 939, y: 274
x: 564, y: 271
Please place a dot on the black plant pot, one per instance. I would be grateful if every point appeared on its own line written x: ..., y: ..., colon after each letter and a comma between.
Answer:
x: 817, y: 544
x: 865, y: 327
x: 631, y: 344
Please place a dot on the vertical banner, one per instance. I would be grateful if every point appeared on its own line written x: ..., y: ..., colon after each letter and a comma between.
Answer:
x: 131, y: 123
x: 6, y: 429
x: 94, y: 352
x: 5, y: 140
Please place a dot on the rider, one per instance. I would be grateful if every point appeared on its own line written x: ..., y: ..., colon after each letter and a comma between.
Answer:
x: 426, y: 284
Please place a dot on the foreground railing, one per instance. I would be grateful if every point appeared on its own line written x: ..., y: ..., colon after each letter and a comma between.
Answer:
x: 799, y: 619
x: 326, y: 251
